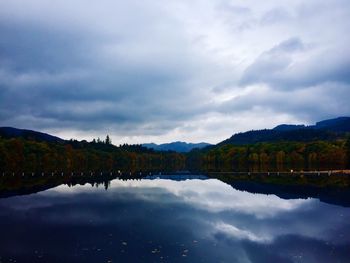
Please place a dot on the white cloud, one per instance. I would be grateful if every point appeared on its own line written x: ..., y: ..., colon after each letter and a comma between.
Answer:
x: 237, y: 233
x: 210, y: 195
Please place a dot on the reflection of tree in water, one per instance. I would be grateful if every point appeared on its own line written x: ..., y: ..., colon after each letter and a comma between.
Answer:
x: 20, y: 185
x: 106, y: 184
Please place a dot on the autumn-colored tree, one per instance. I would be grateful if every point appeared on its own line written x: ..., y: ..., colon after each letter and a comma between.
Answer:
x: 347, y: 145
x: 280, y: 160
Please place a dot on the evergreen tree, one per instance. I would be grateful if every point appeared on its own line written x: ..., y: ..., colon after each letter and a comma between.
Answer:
x: 108, y: 140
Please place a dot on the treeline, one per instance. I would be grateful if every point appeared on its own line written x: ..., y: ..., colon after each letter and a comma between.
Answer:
x: 18, y: 155
x: 274, y: 156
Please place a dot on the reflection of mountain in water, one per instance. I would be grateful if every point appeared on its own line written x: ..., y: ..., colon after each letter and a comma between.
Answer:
x: 337, y: 196
x: 19, y: 186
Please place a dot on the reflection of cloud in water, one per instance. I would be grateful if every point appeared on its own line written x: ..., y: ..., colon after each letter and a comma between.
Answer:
x: 237, y: 233
x: 212, y: 195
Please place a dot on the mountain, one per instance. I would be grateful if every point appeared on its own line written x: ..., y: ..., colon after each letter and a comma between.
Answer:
x: 327, y: 130
x: 302, y: 135
x: 9, y: 132
x: 341, y: 124
x: 176, y: 146
x: 288, y: 127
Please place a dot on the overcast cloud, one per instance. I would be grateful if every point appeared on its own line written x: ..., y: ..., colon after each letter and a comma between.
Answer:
x: 161, y: 71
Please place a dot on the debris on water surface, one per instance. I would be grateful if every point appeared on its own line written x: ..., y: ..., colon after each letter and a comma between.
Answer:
x: 156, y: 250
x: 184, y: 253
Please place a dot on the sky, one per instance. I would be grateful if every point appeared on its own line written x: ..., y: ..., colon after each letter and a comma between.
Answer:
x: 162, y: 71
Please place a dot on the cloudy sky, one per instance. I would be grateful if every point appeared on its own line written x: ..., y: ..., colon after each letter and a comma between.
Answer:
x: 161, y: 71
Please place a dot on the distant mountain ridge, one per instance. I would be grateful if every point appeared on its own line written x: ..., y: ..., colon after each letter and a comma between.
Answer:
x: 288, y: 127
x: 10, y: 132
x: 176, y: 146
x: 341, y: 124
x: 330, y: 129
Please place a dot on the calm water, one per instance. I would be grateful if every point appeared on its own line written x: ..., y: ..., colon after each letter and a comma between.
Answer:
x: 163, y: 220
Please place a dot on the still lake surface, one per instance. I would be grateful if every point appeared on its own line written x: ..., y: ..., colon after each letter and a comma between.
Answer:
x: 166, y: 220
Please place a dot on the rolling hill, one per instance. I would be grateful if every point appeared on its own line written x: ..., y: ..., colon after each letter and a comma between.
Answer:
x: 326, y: 130
x: 9, y: 132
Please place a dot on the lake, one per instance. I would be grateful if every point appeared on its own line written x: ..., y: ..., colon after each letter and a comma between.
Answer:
x: 170, y: 219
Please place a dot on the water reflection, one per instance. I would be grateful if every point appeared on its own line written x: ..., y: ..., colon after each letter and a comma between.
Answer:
x: 163, y: 220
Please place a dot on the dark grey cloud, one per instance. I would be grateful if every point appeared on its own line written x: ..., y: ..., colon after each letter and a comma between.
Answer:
x: 271, y: 65
x: 63, y: 75
x: 152, y: 71
x: 281, y: 68
x: 309, y: 104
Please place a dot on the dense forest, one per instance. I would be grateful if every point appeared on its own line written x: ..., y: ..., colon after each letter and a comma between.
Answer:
x: 18, y: 155
x: 273, y: 156
x: 22, y: 155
